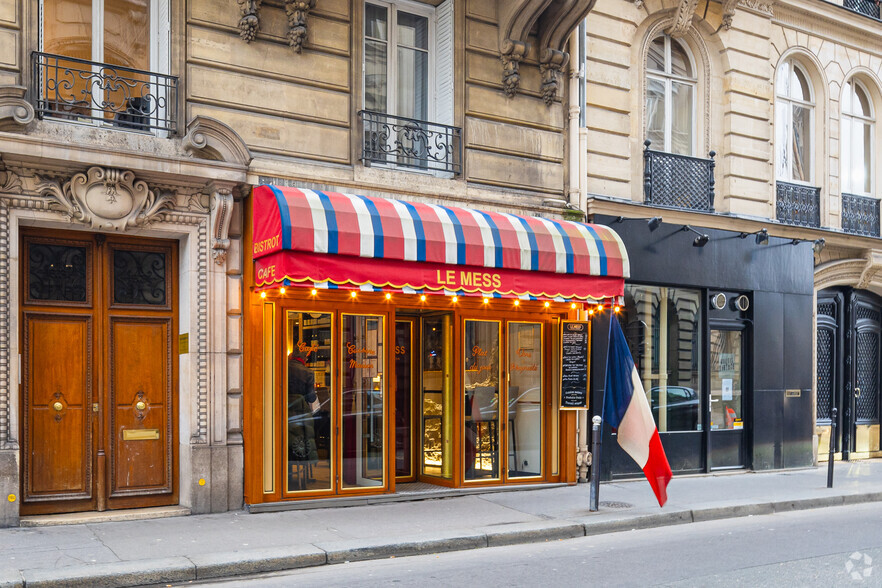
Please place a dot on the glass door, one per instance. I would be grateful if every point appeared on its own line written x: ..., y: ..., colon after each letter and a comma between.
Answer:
x: 308, y: 396
x: 524, y: 415
x: 404, y: 394
x: 363, y: 394
x: 481, y: 384
x: 436, y: 406
x: 726, y: 399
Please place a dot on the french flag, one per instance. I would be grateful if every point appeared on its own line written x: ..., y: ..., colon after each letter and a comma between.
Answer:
x: 625, y: 409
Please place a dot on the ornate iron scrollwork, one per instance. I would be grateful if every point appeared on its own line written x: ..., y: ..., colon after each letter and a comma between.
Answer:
x: 139, y: 277
x: 80, y: 90
x: 56, y: 272
x: 407, y: 142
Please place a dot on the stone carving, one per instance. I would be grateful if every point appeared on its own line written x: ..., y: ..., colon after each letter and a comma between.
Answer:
x: 221, y: 213
x: 106, y: 198
x: 512, y: 54
x: 683, y: 18
x: 16, y: 113
x: 297, y: 11
x: 209, y: 138
x: 728, y: 13
x: 766, y: 7
x: 550, y: 64
x: 249, y: 24
x: 10, y: 182
x: 556, y: 24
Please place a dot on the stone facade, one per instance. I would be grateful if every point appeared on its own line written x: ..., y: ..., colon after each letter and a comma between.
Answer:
x: 267, y: 92
x: 737, y: 47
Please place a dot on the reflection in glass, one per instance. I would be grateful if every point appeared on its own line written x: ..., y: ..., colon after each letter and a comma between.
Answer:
x: 363, y: 396
x: 481, y: 383
x: 403, y: 392
x: 375, y: 55
x: 309, y: 403
x: 725, y: 381
x: 663, y: 329
x: 524, y: 399
x: 655, y: 113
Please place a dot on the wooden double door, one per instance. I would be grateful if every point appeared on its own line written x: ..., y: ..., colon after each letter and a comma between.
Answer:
x: 99, y: 372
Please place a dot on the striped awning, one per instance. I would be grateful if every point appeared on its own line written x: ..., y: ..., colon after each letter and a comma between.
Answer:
x: 328, y: 239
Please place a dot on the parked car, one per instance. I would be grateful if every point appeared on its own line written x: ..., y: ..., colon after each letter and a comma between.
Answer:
x: 682, y: 407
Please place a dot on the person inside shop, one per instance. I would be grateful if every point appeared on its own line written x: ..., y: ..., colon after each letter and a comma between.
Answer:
x: 302, y: 403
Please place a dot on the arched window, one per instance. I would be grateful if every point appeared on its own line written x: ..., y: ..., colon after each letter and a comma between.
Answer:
x: 794, y: 124
x: 670, y: 97
x: 857, y: 139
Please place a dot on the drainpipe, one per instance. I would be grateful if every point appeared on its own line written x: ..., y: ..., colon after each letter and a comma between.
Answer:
x: 574, y: 200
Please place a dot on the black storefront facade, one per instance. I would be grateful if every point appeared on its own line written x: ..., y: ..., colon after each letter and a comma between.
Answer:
x: 721, y: 334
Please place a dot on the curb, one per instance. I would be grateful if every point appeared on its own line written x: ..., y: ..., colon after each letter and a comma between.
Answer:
x: 257, y: 561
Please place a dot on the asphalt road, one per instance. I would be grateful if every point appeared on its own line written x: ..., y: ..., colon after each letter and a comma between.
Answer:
x: 839, y: 546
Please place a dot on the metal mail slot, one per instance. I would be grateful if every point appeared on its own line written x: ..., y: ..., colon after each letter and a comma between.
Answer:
x: 140, y: 434
x: 795, y: 393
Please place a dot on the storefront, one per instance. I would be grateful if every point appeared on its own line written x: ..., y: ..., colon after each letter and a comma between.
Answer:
x: 391, y: 342
x: 721, y: 333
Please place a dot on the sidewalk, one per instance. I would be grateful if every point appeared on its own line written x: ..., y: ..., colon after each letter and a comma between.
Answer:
x: 170, y: 550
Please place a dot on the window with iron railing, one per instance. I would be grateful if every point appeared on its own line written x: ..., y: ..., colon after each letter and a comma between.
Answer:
x: 678, y: 181
x: 860, y: 215
x: 866, y: 7
x: 797, y: 204
x: 72, y: 89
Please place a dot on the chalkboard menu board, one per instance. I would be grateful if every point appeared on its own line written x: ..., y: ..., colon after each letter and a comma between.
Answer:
x: 575, y: 342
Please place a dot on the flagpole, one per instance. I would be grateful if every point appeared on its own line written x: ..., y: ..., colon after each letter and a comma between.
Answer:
x: 597, y: 432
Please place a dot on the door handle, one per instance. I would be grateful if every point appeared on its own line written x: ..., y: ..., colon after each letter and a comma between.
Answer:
x: 57, y: 406
x: 857, y: 392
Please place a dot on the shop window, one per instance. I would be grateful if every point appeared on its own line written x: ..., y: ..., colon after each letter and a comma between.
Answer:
x: 794, y: 123
x: 663, y: 329
x: 671, y: 83
x: 857, y: 139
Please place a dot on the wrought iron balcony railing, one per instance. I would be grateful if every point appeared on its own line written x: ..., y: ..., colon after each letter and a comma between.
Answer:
x: 866, y: 7
x: 75, y: 89
x: 678, y: 181
x: 860, y: 215
x: 400, y: 141
x: 798, y: 205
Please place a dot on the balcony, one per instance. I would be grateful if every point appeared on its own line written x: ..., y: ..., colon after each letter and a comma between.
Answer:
x: 860, y: 215
x: 678, y: 181
x: 798, y: 205
x: 397, y: 141
x: 65, y: 88
x: 866, y: 7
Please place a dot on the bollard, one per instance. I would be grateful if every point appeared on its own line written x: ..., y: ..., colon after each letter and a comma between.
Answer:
x: 832, y: 450
x: 595, y: 463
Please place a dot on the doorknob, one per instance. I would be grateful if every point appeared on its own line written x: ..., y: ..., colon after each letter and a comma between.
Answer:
x: 57, y: 406
x: 140, y: 405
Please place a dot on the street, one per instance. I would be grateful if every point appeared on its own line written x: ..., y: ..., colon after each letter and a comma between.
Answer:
x: 839, y: 546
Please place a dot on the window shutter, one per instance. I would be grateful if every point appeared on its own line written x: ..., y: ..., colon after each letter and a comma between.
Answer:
x: 444, y: 63
x: 163, y: 37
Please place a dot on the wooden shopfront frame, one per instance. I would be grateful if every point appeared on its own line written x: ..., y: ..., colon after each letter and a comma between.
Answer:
x: 265, y: 442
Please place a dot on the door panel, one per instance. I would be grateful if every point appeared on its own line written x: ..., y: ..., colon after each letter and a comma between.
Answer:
x: 726, y: 399
x: 58, y: 460
x: 99, y: 374
x: 140, y: 397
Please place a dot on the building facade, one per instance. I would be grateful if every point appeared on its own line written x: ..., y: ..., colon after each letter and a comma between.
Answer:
x: 749, y: 128
x: 131, y: 135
